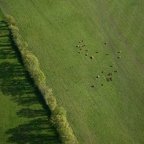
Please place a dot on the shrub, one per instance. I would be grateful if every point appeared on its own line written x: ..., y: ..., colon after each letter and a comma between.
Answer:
x: 32, y: 65
x: 30, y: 60
x: 51, y: 102
x: 59, y: 121
x: 62, y: 127
x: 45, y: 90
x: 14, y: 29
x: 10, y: 20
x: 59, y: 111
x: 25, y: 44
x: 38, y: 76
x: 18, y: 43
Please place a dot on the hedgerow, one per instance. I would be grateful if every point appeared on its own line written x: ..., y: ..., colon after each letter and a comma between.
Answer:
x: 31, y: 63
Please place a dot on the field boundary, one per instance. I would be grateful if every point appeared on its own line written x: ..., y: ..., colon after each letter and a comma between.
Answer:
x: 58, y: 114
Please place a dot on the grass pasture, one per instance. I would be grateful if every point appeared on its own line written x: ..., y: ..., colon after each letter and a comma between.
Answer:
x: 23, y: 114
x: 109, y: 114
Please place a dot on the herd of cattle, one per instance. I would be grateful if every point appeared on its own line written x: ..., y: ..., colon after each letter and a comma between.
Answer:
x: 92, y: 57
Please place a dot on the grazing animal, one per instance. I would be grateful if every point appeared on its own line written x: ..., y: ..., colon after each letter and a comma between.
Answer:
x: 79, y: 41
x: 78, y: 46
x: 87, y: 54
x: 82, y: 40
x: 87, y: 50
x: 116, y: 71
x: 119, y: 57
x: 111, y: 78
x: 85, y: 45
x: 97, y: 51
x: 103, y: 84
x: 119, y: 52
x: 93, y: 86
x: 112, y: 65
x: 79, y: 51
x: 103, y: 71
x: 92, y: 57
x: 81, y: 48
x: 98, y: 76
x: 107, y: 53
x: 110, y: 73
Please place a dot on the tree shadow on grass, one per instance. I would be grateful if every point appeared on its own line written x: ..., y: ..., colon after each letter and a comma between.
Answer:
x: 29, y: 113
x: 5, y: 36
x: 6, y: 53
x: 37, y: 131
x: 12, y: 80
x: 16, y: 83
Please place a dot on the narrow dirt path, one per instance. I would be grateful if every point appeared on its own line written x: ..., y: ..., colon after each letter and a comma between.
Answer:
x: 122, y: 38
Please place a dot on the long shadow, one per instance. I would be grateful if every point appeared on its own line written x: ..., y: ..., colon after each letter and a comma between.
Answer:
x: 25, y: 133
x: 29, y: 113
x: 5, y: 45
x: 7, y: 54
x: 16, y: 83
x: 4, y: 29
x: 4, y: 36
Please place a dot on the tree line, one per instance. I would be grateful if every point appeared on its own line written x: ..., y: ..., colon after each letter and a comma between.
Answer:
x: 31, y: 63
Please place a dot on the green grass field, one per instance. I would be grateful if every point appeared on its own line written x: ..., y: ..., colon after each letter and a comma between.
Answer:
x: 109, y: 114
x: 23, y: 114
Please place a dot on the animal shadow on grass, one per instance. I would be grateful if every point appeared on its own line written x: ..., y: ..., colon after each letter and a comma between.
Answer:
x: 16, y: 83
x: 108, y: 79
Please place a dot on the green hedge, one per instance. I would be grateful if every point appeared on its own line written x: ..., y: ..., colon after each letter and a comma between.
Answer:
x: 31, y: 63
